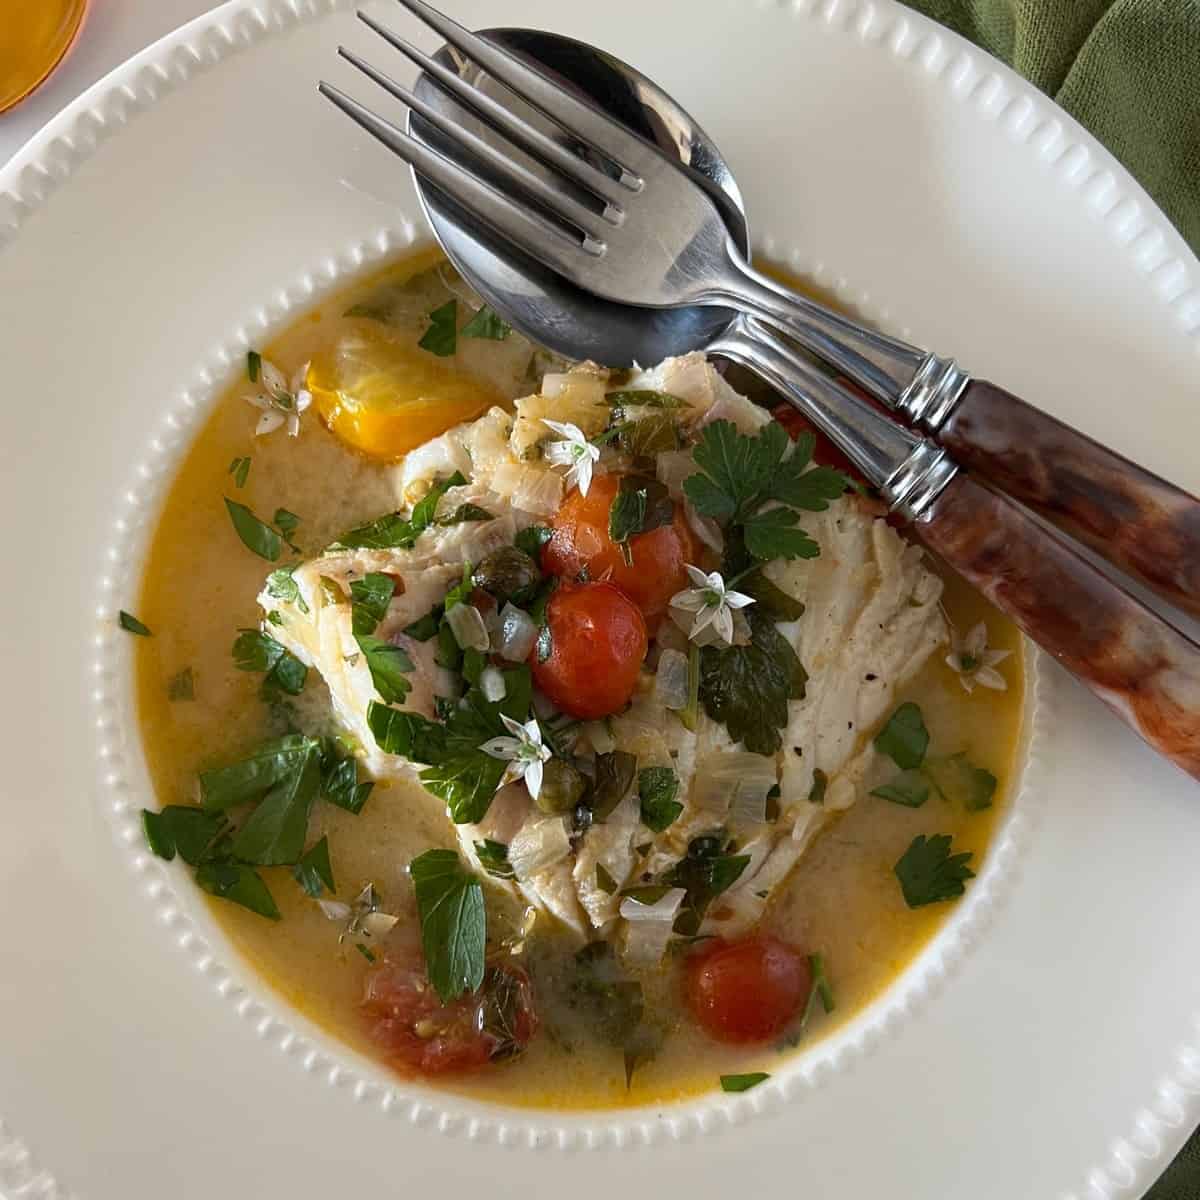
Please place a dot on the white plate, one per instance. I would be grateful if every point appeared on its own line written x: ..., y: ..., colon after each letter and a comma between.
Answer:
x: 1046, y: 1045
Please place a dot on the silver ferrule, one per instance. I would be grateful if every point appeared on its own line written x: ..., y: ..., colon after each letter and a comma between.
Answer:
x: 934, y: 391
x: 915, y: 485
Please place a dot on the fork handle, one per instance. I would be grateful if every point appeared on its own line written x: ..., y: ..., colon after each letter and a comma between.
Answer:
x: 1147, y: 527
x: 1145, y: 670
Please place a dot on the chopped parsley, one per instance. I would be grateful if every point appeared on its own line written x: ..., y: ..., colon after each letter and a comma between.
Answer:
x: 486, y: 324
x: 238, y: 883
x: 339, y: 782
x: 313, y: 872
x: 256, y: 535
x: 532, y: 538
x: 182, y: 828
x: 253, y: 365
x: 282, y: 585
x: 909, y: 788
x: 369, y: 600
x: 929, y: 873
x: 394, y: 530
x: 658, y: 788
x: 365, y: 951
x: 453, y: 922
x: 286, y: 522
x: 493, y: 858
x: 389, y: 666
x: 466, y: 512
x: 423, y: 628
x: 643, y: 398
x: 182, y: 685
x: 254, y: 650
x: 441, y: 338
x: 240, y: 470
x: 904, y: 739
x: 131, y: 624
x: 639, y: 505
x: 604, y: 880
x: 743, y: 1083
x: 960, y: 781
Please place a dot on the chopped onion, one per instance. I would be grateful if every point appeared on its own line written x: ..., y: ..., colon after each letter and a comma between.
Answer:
x: 723, y: 777
x: 673, y: 467
x: 554, y: 385
x: 538, y: 845
x: 378, y: 924
x: 532, y: 489
x: 491, y: 683
x: 491, y: 621
x: 749, y: 807
x: 468, y: 628
x: 671, y: 681
x: 599, y: 737
x: 650, y: 926
x: 517, y: 634
x: 335, y: 910
x: 705, y: 528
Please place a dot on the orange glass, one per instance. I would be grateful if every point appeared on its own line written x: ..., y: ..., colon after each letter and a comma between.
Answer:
x: 34, y: 37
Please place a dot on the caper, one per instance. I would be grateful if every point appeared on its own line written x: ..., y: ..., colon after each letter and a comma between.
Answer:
x: 561, y: 788
x: 507, y: 572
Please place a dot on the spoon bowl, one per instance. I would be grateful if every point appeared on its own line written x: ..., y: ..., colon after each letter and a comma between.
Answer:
x: 536, y: 300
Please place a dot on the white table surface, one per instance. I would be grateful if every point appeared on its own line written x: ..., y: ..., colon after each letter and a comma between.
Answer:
x: 113, y: 30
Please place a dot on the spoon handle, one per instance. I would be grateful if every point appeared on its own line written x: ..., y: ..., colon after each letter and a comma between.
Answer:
x: 1145, y: 670
x: 1147, y: 527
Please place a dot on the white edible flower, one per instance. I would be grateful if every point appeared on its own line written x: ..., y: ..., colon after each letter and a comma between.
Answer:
x: 712, y: 602
x: 974, y: 662
x: 279, y: 402
x: 363, y: 918
x: 574, y: 451
x: 524, y: 751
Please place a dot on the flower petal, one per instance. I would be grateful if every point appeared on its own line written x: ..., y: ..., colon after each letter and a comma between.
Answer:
x: 303, y: 400
x: 992, y: 657
x: 268, y: 423
x: 989, y: 677
x: 703, y: 619
x: 690, y: 600
x: 975, y: 643
x: 513, y: 727
x: 273, y: 380
x: 738, y: 599
x: 293, y: 424
x: 696, y: 575
x: 262, y: 403
x: 533, y: 778
x: 583, y: 472
x: 723, y: 623
x: 502, y: 747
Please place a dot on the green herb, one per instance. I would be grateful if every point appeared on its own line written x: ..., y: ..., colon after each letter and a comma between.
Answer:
x: 532, y: 538
x: 453, y: 922
x: 422, y: 629
x: 249, y: 778
x: 820, y: 981
x: 460, y: 593
x: 313, y: 872
x: 257, y: 651
x: 820, y: 784
x: 273, y: 834
x: 493, y: 858
x: 960, y: 781
x: 339, y: 783
x: 643, y: 398
x: 256, y: 535
x: 743, y: 1083
x: 604, y: 880
x: 653, y: 434
x: 282, y: 585
x: 253, y: 365
x: 690, y: 713
x: 181, y: 828
x: 910, y: 788
x: 615, y: 773
x: 384, y: 533
x: 240, y: 470
x: 658, y: 788
x: 473, y: 664
x: 486, y: 324
x: 466, y: 512
x: 627, y: 514
x: 367, y: 953
x: 929, y: 873
x: 769, y: 597
x: 904, y: 739
x: 747, y: 688
x: 704, y: 873
x: 441, y: 338
x: 286, y: 523
x: 131, y: 624
x: 369, y: 600
x: 425, y: 510
x: 389, y: 665
x: 239, y: 883
x: 797, y: 484
x: 770, y: 534
x: 182, y: 685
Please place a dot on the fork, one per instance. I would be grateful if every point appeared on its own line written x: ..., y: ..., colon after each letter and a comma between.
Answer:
x: 627, y: 224
x: 1145, y: 669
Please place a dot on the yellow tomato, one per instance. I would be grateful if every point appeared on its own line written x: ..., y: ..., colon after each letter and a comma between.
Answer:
x: 385, y: 399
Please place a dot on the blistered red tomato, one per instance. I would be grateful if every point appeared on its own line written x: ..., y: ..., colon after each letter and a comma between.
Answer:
x: 597, y: 643
x: 581, y: 541
x: 825, y: 453
x: 417, y: 1032
x: 748, y: 990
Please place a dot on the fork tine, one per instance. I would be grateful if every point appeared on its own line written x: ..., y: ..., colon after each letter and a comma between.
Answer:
x: 519, y: 132
x: 512, y: 174
x: 532, y: 233
x: 580, y: 120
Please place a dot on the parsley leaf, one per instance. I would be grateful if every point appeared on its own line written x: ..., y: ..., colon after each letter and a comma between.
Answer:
x: 314, y: 872
x: 797, y: 485
x: 256, y: 535
x: 532, y: 538
x: 253, y: 365
x: 425, y: 509
x: 959, y: 780
x: 441, y: 338
x: 286, y: 523
x: 423, y: 628
x: 131, y: 624
x: 464, y: 513
x: 910, y: 788
x: 273, y: 834
x: 389, y: 532
x: 183, y: 828
x: 769, y: 596
x: 240, y: 470
x: 904, y: 739
x: 369, y: 600
x: 770, y: 534
x: 453, y: 922
x: 240, y: 883
x: 493, y: 858
x: 257, y: 651
x: 388, y: 665
x: 486, y: 324
x: 743, y: 1083
x: 747, y: 688
x: 627, y: 514
x: 643, y: 398
x: 250, y: 777
x: 929, y: 873
x: 658, y: 788
x: 339, y: 783
x: 282, y: 585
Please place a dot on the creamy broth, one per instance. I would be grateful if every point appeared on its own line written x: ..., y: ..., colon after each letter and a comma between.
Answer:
x: 199, y: 589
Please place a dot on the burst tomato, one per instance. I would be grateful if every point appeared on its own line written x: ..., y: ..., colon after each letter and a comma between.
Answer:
x: 417, y: 1032
x: 581, y: 541
x: 597, y: 644
x: 825, y: 453
x: 746, y: 991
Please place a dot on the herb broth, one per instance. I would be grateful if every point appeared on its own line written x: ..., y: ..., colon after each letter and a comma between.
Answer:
x: 199, y: 590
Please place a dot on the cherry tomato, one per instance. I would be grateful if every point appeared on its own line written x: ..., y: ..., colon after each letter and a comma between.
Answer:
x: 825, y: 453
x: 581, y: 540
x: 597, y: 644
x: 417, y: 1032
x: 747, y: 991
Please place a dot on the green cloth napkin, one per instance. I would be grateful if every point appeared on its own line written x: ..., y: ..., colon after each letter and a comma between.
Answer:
x: 1129, y: 71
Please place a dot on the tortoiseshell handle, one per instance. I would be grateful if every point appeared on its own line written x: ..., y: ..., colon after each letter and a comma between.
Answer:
x: 1146, y: 671
x: 1147, y: 527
